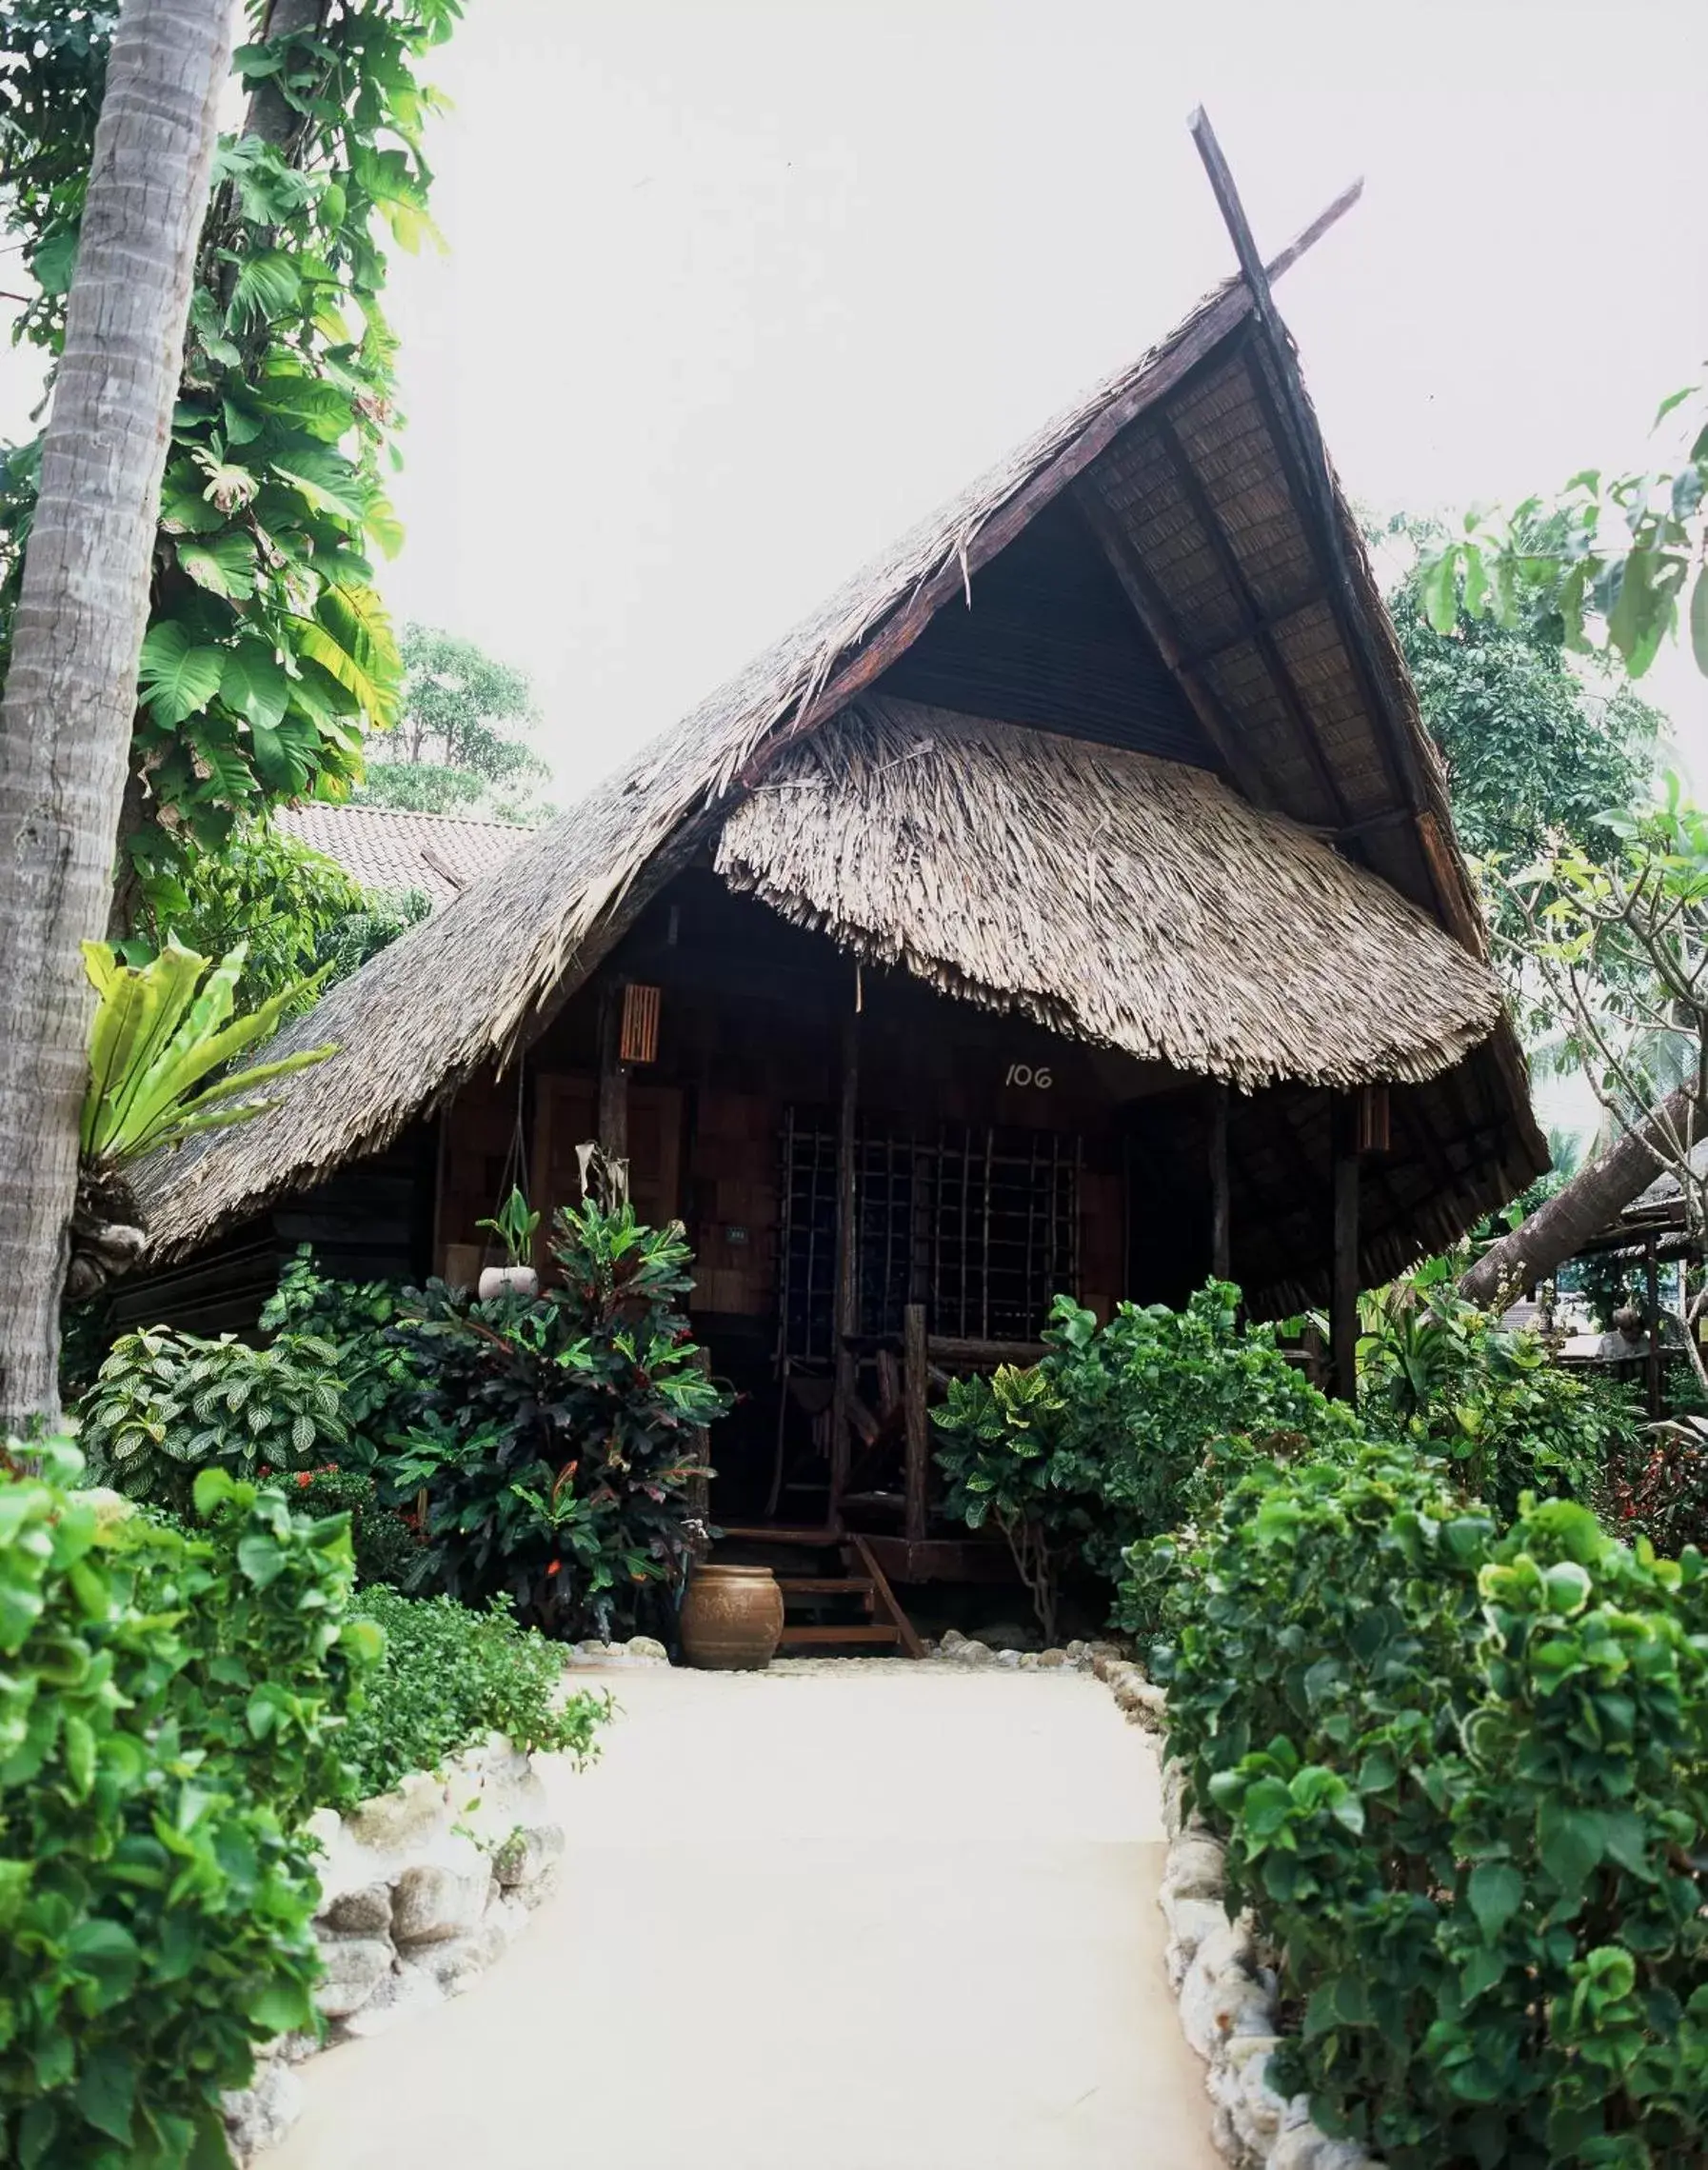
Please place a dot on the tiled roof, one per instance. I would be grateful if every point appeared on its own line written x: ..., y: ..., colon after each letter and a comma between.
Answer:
x: 385, y: 849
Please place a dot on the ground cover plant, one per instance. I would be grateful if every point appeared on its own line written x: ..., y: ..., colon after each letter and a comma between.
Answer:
x: 167, y: 1707
x: 557, y: 1437
x: 447, y: 1677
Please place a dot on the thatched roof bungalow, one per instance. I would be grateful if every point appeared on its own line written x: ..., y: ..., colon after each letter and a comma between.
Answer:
x: 1072, y: 902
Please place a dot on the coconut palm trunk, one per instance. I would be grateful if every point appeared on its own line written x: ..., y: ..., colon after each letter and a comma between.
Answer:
x: 1562, y: 1225
x: 65, y: 722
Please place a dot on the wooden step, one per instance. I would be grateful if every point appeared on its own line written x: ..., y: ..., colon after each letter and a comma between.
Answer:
x: 779, y: 1533
x: 840, y: 1586
x: 888, y: 1635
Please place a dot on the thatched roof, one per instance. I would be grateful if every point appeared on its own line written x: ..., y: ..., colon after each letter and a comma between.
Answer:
x: 1133, y: 903
x: 1186, y: 467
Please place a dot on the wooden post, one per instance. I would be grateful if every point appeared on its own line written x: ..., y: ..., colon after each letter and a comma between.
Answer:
x: 613, y: 1077
x: 1343, y: 1309
x: 1221, y: 1215
x: 915, y: 1378
x: 1652, y: 1363
x: 847, y: 1296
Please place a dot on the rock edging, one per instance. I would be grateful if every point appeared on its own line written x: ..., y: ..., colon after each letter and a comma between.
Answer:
x: 422, y: 1889
x: 1228, y: 1996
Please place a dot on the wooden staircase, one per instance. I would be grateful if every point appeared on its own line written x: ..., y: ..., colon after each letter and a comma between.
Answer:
x: 845, y: 1608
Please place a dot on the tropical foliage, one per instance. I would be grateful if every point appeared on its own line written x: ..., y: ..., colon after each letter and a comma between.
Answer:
x: 302, y: 922
x: 383, y: 1545
x: 1463, y: 1781
x: 1536, y: 746
x: 1618, y: 562
x: 268, y: 653
x: 557, y: 1438
x: 160, y: 1035
x: 1621, y: 944
x: 167, y: 1708
x: 1078, y: 1457
x: 1437, y: 1371
x: 377, y: 1374
x: 165, y: 1406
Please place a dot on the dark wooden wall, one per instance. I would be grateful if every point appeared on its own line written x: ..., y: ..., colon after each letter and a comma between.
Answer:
x: 751, y: 1018
x: 370, y: 1221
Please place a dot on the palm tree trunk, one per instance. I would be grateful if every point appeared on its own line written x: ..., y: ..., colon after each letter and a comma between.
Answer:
x: 65, y: 722
x: 1562, y: 1225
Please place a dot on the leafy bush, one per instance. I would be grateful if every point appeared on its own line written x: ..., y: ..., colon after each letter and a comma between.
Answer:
x: 354, y: 1319
x: 449, y: 1678
x: 167, y: 1708
x: 1436, y: 1369
x: 1081, y: 1455
x: 556, y: 1437
x: 167, y: 1405
x: 1463, y: 1778
x: 1660, y: 1488
x: 385, y: 1545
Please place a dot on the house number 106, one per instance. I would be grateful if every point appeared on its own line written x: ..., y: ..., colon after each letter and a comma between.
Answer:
x: 1023, y: 1074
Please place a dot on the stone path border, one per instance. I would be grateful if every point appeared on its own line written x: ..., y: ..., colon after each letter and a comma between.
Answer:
x: 1227, y: 1993
x: 422, y: 1889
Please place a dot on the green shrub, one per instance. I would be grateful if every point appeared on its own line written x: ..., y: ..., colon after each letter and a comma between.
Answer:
x: 1081, y: 1455
x: 166, y: 1716
x: 449, y: 1678
x: 354, y: 1319
x: 167, y: 1405
x: 1659, y: 1488
x: 385, y: 1545
x: 1437, y: 1370
x: 1463, y: 1778
x: 557, y: 1437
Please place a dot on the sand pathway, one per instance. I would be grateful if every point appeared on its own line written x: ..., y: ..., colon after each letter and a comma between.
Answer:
x: 855, y: 1917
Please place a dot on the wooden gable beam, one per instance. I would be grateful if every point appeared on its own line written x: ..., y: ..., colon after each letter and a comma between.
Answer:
x: 1190, y: 483
x: 1154, y: 615
x: 1302, y: 452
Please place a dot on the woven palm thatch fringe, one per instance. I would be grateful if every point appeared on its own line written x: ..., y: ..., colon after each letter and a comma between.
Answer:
x: 1114, y: 896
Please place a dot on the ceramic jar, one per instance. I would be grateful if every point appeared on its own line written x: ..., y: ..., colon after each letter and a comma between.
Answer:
x: 731, y: 1618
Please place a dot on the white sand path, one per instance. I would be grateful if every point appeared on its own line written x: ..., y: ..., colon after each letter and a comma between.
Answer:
x: 837, y: 1917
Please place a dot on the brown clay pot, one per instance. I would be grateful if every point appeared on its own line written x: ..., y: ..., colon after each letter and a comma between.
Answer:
x: 731, y: 1618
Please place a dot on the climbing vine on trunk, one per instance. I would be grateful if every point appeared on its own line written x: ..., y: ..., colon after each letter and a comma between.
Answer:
x: 268, y: 651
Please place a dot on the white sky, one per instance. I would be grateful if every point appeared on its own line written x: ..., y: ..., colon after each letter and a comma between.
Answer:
x: 737, y: 289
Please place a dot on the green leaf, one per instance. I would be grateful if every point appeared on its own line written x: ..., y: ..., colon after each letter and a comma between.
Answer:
x: 1496, y: 1892
x: 1699, y: 619
x: 282, y: 2006
x: 1571, y: 1841
x: 1438, y: 592
x: 254, y: 685
x: 106, y: 2093
x: 268, y: 285
x: 224, y: 566
x: 1672, y: 400
x: 55, y: 262
x: 329, y: 482
x: 309, y: 404
x: 178, y: 678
